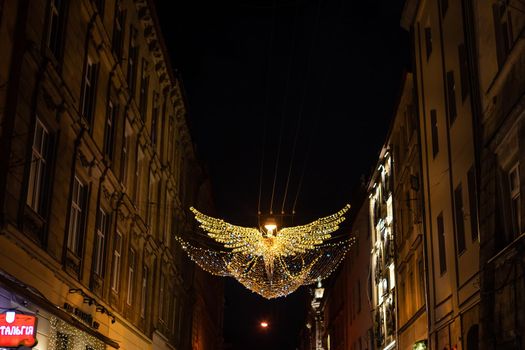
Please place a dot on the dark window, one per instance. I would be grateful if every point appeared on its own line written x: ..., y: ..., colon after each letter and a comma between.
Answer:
x: 133, y: 56
x: 444, y: 8
x: 87, y: 101
x: 451, y: 95
x: 358, y: 296
x: 441, y: 242
x: 118, y: 29
x: 39, y: 169
x: 421, y: 287
x: 102, y: 231
x: 124, y: 154
x: 77, y: 216
x: 155, y: 120
x: 144, y: 86
x: 131, y: 276
x: 144, y: 292
x: 100, y: 6
x: 460, y: 222
x: 117, y: 262
x: 514, y: 187
x: 503, y: 30
x: 55, y: 30
x: 463, y: 71
x: 434, y: 128
x: 473, y: 203
x: 428, y: 41
x: 109, y: 131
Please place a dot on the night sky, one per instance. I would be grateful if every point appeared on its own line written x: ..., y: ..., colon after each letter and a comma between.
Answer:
x: 298, y: 93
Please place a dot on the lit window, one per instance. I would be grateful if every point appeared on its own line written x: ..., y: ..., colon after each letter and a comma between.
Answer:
x: 117, y: 256
x: 38, y: 168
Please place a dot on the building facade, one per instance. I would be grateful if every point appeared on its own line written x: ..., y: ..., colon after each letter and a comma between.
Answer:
x: 447, y: 127
x: 97, y: 170
x: 410, y: 241
x: 498, y: 46
x: 347, y: 311
x: 382, y: 252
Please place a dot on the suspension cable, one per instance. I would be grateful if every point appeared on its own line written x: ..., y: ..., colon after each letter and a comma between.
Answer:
x: 266, y: 102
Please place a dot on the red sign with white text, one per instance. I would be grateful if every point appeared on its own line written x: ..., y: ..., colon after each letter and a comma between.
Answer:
x: 17, y: 330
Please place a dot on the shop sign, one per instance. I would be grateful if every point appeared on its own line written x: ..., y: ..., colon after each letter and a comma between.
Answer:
x: 17, y: 329
x: 81, y: 315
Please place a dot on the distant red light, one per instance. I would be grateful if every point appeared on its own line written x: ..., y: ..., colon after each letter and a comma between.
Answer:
x: 264, y: 324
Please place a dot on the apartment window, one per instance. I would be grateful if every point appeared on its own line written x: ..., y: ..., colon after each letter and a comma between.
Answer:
x: 117, y: 256
x: 151, y: 199
x: 463, y: 71
x: 144, y: 292
x: 109, y: 130
x: 38, y: 169
x: 100, y: 6
x: 77, y: 216
x: 144, y: 86
x: 131, y: 276
x: 102, y: 230
x: 161, y: 296
x: 428, y: 41
x: 167, y: 220
x: 421, y: 275
x: 358, y: 296
x: 87, y: 100
x: 124, y: 154
x: 460, y: 222
x: 55, y: 30
x: 171, y: 136
x: 473, y: 203
x: 514, y: 183
x: 444, y: 7
x: 118, y: 29
x: 434, y: 131
x: 503, y: 30
x: 451, y: 94
x: 154, y: 119
x: 138, y: 178
x: 173, y: 313
x: 441, y: 242
x: 133, y: 56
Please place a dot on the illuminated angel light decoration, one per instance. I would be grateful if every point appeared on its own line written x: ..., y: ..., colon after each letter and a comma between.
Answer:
x: 270, y: 262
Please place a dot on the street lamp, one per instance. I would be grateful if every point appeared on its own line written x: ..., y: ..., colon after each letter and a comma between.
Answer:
x: 318, y: 316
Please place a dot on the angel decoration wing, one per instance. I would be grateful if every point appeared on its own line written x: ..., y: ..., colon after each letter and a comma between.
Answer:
x: 271, y: 262
x: 285, y: 242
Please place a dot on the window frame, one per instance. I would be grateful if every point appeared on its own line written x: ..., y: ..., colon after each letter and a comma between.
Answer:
x: 116, y: 263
